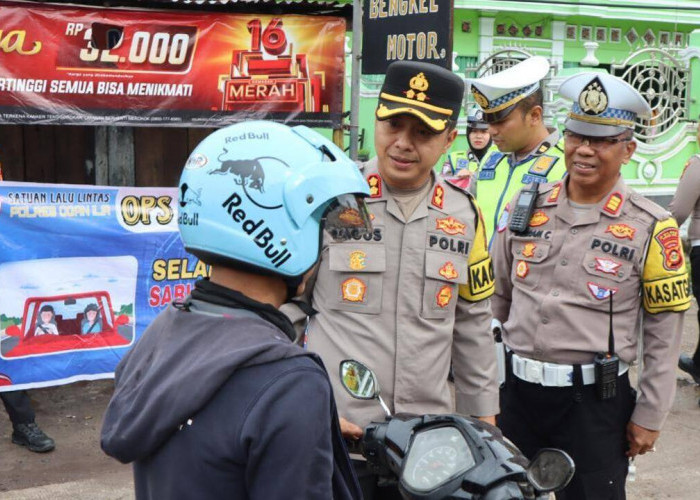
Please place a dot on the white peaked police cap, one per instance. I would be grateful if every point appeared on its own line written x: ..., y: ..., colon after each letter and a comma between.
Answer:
x: 604, y: 105
x: 497, y: 94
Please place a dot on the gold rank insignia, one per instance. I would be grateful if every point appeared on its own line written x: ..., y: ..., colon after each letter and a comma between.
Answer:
x: 444, y: 296
x: 375, y: 185
x: 593, y: 100
x: 450, y: 225
x: 448, y: 271
x: 420, y: 84
x: 521, y: 269
x: 351, y: 216
x: 354, y: 290
x: 542, y: 164
x: 438, y: 196
x: 357, y: 260
x: 612, y: 206
x: 543, y: 148
x: 538, y: 218
x: 621, y: 231
x: 670, y: 242
x: 554, y: 195
x: 529, y: 250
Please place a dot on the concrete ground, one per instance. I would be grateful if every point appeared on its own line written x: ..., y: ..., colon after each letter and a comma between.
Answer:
x: 78, y: 470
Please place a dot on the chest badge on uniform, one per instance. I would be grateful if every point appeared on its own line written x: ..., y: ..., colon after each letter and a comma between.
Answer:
x: 529, y: 250
x: 449, y: 225
x: 448, y: 271
x: 607, y: 266
x: 354, y: 290
x: 351, y: 216
x: 600, y: 292
x: 438, y: 196
x: 357, y: 260
x: 522, y: 269
x: 539, y: 218
x: 554, y: 195
x: 621, y: 231
x: 542, y: 164
x: 444, y: 296
x: 375, y: 185
x: 614, y: 203
x: 671, y: 244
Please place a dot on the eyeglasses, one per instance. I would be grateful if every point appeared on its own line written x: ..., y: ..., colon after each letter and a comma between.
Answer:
x: 576, y: 140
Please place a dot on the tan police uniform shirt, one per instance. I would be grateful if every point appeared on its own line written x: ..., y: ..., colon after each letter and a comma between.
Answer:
x: 687, y: 198
x: 405, y: 300
x: 554, y: 281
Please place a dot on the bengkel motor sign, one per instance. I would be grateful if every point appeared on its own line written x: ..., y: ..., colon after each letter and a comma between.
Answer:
x: 178, y: 68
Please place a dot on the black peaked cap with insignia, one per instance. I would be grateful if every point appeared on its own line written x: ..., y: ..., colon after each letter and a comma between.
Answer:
x: 428, y: 92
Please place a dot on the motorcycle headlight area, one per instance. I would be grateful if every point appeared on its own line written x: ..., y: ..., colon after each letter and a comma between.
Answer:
x: 435, y: 456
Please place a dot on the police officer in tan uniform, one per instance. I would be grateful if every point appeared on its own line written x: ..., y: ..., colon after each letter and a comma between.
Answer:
x: 591, y: 245
x: 686, y: 203
x: 414, y: 293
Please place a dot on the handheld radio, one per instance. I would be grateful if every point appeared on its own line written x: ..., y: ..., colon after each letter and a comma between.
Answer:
x: 607, y: 365
x: 522, y: 211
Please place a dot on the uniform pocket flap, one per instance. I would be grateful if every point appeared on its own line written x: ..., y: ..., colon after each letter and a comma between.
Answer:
x: 446, y: 267
x: 358, y: 258
x: 607, y: 267
x: 529, y: 250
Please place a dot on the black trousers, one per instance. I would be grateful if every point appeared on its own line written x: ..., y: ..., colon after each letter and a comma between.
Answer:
x: 591, y: 431
x: 371, y: 490
x: 18, y: 406
x: 695, y: 278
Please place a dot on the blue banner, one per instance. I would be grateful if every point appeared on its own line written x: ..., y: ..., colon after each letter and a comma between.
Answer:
x: 83, y: 272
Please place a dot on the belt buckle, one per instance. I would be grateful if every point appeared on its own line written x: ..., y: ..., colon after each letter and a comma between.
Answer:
x: 533, y: 370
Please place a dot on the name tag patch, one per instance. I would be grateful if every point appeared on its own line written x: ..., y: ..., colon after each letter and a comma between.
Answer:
x: 450, y: 244
x: 615, y: 249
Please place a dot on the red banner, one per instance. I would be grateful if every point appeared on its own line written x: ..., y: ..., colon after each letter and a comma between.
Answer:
x: 87, y: 66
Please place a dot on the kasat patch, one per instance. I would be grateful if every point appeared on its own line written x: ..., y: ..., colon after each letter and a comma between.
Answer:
x: 607, y: 266
x: 444, y: 296
x: 354, y: 290
x: 438, y: 196
x: 357, y: 260
x: 375, y: 185
x: 529, y: 250
x: 522, y: 269
x: 448, y: 271
x: 670, y: 242
x: 600, y: 292
x: 450, y: 225
x: 539, y: 218
x: 614, y: 203
x: 621, y: 231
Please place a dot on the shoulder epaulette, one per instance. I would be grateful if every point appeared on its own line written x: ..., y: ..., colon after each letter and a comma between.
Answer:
x: 543, y: 165
x: 659, y: 213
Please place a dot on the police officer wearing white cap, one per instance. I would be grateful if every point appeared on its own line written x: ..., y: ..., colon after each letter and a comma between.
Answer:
x: 512, y: 102
x: 572, y: 283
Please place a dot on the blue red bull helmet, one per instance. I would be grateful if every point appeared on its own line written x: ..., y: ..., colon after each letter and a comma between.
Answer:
x: 256, y: 195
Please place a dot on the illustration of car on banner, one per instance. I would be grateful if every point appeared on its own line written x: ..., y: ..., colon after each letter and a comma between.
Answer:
x: 64, y: 323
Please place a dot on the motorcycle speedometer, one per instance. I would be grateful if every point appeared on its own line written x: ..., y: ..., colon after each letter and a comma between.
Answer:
x: 435, y: 456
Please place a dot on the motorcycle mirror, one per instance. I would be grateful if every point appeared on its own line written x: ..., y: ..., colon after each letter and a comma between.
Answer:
x: 358, y: 380
x: 550, y: 470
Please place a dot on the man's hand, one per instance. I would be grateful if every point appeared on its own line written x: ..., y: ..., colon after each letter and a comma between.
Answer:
x: 489, y: 420
x: 350, y: 430
x: 640, y: 440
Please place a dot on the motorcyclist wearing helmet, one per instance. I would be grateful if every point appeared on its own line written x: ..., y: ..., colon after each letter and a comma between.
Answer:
x: 465, y: 163
x: 215, y: 400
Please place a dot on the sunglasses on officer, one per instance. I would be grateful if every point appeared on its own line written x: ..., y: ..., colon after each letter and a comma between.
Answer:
x: 598, y: 143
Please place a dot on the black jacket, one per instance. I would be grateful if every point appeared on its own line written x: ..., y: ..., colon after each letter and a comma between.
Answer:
x: 216, y: 402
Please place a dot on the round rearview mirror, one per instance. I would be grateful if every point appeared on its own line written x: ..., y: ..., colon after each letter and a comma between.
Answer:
x: 358, y: 380
x: 550, y: 470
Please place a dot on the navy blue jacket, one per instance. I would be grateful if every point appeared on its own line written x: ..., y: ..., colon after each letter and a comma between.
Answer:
x: 216, y: 402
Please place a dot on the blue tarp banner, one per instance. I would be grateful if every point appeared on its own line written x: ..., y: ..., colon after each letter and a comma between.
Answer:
x: 83, y: 271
